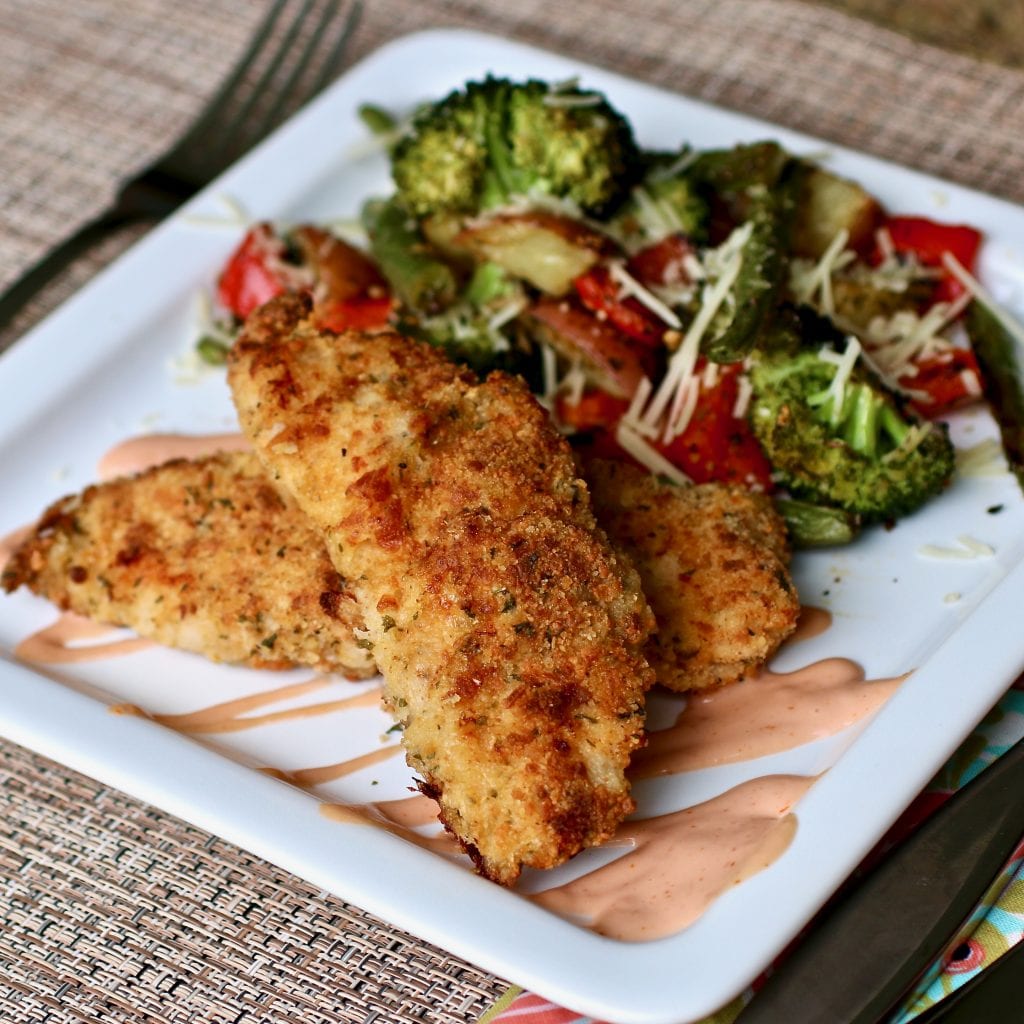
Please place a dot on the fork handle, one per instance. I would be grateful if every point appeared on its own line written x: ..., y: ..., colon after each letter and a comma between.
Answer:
x: 149, y: 197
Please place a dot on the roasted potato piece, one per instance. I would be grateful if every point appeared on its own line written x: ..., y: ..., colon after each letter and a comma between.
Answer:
x: 441, y: 231
x: 827, y: 203
x: 542, y: 248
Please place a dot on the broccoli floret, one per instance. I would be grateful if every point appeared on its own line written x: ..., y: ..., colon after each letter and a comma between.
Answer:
x: 466, y: 336
x: 852, y: 446
x: 495, y: 139
x: 858, y: 299
x: 479, y: 330
x: 678, y: 194
x: 665, y: 201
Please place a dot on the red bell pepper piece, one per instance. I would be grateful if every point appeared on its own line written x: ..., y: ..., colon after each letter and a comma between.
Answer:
x: 600, y: 294
x: 613, y: 361
x: 596, y: 410
x: 664, y: 262
x: 716, y: 445
x: 928, y: 240
x: 252, y: 275
x: 946, y: 381
x: 362, y: 313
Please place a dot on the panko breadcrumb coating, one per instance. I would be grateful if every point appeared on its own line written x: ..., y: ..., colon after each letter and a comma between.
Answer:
x: 509, y: 633
x: 713, y: 561
x: 204, y: 555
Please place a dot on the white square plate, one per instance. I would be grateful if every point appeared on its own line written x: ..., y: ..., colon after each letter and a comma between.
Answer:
x: 98, y: 371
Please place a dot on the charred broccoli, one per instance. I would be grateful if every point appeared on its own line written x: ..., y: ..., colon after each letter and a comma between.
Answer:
x: 473, y: 329
x: 664, y: 202
x: 835, y: 435
x: 496, y: 139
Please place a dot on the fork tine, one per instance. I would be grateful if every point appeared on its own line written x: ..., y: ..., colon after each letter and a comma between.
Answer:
x: 235, y: 79
x: 337, y: 51
x: 328, y: 64
x: 228, y: 139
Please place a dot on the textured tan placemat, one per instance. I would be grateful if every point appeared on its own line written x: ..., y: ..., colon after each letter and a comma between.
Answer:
x: 113, y: 911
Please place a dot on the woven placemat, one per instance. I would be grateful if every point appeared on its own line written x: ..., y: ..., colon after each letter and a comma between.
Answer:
x: 111, y: 911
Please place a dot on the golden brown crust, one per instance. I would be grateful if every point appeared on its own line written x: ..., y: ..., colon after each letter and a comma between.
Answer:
x: 713, y: 561
x: 203, y: 555
x: 508, y: 631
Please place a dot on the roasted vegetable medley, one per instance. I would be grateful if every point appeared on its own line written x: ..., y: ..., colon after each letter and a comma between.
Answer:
x: 740, y: 315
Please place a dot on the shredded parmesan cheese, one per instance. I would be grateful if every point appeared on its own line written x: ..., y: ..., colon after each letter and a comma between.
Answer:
x: 629, y: 285
x: 915, y: 435
x: 744, y: 392
x: 983, y: 459
x: 899, y: 342
x: 817, y: 280
x: 682, y: 409
x: 350, y: 230
x: 968, y: 548
x: 506, y: 314
x: 894, y: 345
x: 564, y: 85
x: 549, y: 366
x: 835, y: 393
x: 675, y: 168
x: 235, y: 215
x: 979, y: 547
x: 709, y: 378
x: 640, y: 396
x: 557, y: 99
x: 674, y: 391
x: 1012, y: 326
x: 647, y: 456
x: 883, y: 238
x: 657, y: 217
x: 573, y: 384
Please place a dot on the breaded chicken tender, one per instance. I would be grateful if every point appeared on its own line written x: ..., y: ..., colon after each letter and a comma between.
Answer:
x: 508, y: 631
x: 713, y: 561
x: 203, y: 555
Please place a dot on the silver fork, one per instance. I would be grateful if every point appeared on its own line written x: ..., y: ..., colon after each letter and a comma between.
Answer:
x: 293, y: 54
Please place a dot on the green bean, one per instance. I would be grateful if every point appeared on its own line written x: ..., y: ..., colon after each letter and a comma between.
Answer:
x: 816, y: 526
x: 419, y: 279
x: 755, y: 185
x: 377, y: 119
x: 488, y: 283
x: 997, y: 355
x: 212, y: 350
